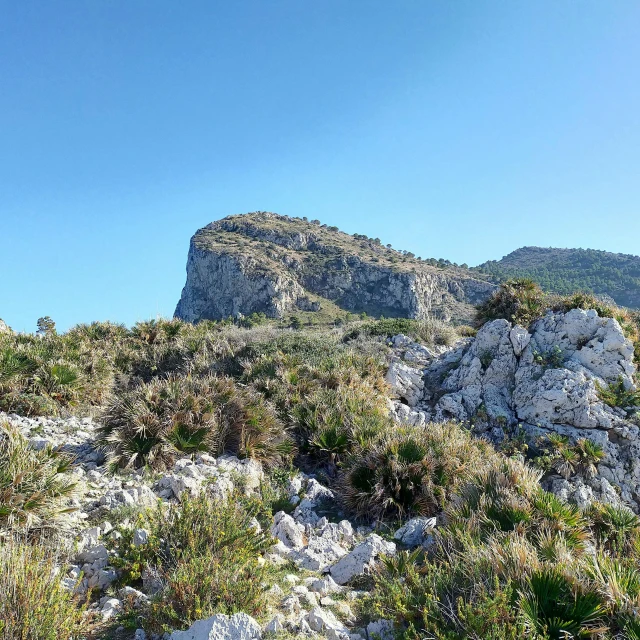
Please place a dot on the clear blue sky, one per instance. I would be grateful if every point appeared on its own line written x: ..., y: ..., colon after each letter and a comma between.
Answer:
x: 456, y: 129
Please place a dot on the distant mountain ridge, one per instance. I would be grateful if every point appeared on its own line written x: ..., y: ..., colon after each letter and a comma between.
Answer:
x: 565, y: 271
x: 268, y: 263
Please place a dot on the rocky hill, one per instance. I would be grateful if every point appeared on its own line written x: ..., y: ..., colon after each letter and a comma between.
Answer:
x: 174, y: 481
x: 273, y: 264
x: 569, y: 270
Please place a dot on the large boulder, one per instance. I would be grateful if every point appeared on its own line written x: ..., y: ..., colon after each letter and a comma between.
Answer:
x: 361, y: 559
x: 239, y: 626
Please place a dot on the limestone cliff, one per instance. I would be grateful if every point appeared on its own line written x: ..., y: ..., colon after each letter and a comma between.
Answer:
x: 263, y: 262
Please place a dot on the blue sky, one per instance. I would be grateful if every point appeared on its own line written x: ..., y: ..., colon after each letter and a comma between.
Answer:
x: 459, y: 129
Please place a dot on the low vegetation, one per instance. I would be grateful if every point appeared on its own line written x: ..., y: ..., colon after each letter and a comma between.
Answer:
x: 512, y: 562
x: 205, y: 556
x: 33, y: 604
x: 507, y: 560
x: 34, y: 489
x: 158, y: 421
x: 411, y: 471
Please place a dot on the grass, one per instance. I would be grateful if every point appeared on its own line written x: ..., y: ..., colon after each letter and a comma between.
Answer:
x: 206, y: 556
x: 34, y: 489
x: 34, y: 605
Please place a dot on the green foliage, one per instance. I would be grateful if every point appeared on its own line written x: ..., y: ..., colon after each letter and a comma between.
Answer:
x: 34, y: 605
x: 559, y: 455
x: 521, y: 301
x: 585, y: 301
x: 411, y: 471
x: 295, y: 322
x: 615, y: 527
x: 46, y: 326
x: 616, y: 394
x: 206, y: 554
x: 565, y: 271
x: 551, y: 359
x: 34, y: 488
x: 329, y: 394
x: 431, y: 332
x: 552, y: 609
x: 510, y: 561
x: 156, y: 421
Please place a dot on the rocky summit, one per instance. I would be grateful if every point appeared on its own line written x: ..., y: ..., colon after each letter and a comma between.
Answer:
x: 272, y: 264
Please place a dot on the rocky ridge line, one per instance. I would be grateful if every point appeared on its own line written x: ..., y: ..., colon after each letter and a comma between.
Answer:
x: 263, y: 262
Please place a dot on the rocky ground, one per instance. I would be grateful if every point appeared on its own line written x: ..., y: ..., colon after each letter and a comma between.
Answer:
x: 313, y: 600
x: 505, y: 380
x: 512, y: 381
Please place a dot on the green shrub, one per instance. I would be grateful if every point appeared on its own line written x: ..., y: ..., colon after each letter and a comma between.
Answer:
x: 615, y: 527
x: 521, y: 301
x: 331, y: 422
x: 584, y: 300
x: 552, y: 608
x: 559, y: 455
x: 616, y: 394
x: 411, y: 470
x: 444, y: 598
x: 206, y: 554
x: 159, y: 420
x: 551, y: 359
x: 331, y: 396
x: 431, y: 332
x: 34, y: 605
x: 34, y: 488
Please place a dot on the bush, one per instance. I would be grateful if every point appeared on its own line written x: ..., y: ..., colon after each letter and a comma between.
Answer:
x: 552, y: 608
x: 444, y: 598
x: 34, y: 604
x: 206, y: 554
x: 159, y: 420
x: 331, y: 395
x: 412, y: 471
x: 616, y: 394
x: 583, y: 300
x: 331, y: 422
x: 431, y: 332
x: 34, y: 488
x: 559, y: 455
x: 520, y: 301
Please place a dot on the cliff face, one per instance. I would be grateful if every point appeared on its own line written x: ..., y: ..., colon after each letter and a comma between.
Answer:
x: 263, y: 262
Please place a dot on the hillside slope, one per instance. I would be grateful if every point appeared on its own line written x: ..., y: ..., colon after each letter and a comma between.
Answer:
x: 568, y: 270
x: 264, y: 262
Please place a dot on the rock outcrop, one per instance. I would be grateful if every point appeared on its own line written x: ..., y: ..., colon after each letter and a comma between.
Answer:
x: 239, y: 626
x: 263, y: 262
x: 541, y: 380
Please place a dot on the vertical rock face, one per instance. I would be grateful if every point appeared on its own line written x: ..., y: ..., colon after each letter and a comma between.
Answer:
x: 276, y: 265
x: 221, y: 285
